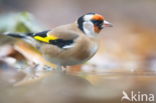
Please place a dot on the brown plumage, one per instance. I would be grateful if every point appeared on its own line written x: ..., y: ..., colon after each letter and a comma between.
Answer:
x: 82, y: 46
x: 69, y: 44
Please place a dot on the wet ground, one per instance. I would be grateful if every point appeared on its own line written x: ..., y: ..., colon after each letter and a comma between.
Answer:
x: 80, y: 87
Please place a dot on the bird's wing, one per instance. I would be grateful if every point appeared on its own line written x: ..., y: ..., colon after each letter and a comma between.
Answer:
x: 62, y: 39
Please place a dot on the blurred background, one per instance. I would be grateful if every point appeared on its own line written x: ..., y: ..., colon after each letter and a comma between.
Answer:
x: 129, y: 44
x: 128, y: 48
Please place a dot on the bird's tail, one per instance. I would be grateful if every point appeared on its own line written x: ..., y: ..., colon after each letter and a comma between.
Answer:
x: 19, y: 35
x: 28, y: 37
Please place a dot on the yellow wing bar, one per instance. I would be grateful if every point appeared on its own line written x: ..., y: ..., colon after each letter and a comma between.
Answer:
x: 45, y: 39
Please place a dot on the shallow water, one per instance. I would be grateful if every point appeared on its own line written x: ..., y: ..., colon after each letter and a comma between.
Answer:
x: 60, y: 87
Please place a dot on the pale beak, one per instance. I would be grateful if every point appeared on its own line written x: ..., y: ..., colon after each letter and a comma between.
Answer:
x: 107, y: 24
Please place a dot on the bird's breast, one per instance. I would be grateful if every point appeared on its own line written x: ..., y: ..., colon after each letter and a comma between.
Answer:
x: 81, y: 52
x: 86, y: 51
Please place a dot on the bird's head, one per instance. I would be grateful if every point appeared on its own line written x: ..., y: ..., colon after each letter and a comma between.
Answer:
x: 91, y: 23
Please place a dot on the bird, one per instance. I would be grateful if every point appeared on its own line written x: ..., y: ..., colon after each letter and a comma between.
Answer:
x: 69, y: 44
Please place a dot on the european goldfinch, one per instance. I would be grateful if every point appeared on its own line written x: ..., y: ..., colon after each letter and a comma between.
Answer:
x: 69, y: 44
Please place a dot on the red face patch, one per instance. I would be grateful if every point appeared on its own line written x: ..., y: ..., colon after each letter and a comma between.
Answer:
x: 97, y: 29
x: 98, y: 17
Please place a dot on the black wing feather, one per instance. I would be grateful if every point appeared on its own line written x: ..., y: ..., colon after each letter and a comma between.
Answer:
x: 61, y: 43
x: 42, y: 34
x: 16, y: 35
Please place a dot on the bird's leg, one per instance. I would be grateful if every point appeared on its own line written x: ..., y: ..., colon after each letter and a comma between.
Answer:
x: 47, y: 68
x: 32, y: 71
x: 59, y: 68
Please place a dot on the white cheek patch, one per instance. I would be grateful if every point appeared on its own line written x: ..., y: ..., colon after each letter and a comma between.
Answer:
x: 89, y: 28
